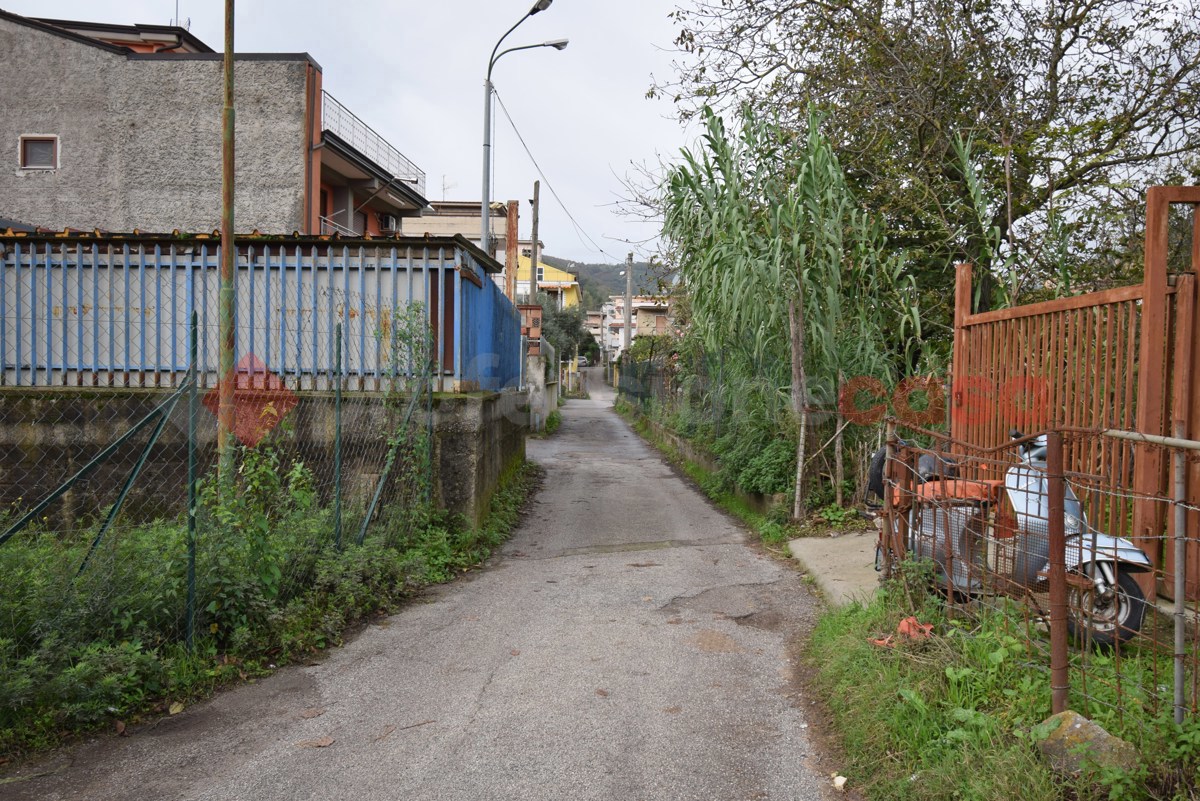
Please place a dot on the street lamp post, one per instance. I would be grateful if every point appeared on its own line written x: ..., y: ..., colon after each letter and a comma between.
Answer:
x: 557, y: 44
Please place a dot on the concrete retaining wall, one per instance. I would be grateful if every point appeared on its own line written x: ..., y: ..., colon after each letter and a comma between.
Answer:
x: 47, y: 435
x: 757, y: 502
x: 477, y: 438
x: 543, y: 393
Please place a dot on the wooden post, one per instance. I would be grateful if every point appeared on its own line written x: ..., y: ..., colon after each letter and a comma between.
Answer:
x: 512, y: 253
x: 886, y: 534
x: 1192, y: 584
x: 227, y: 294
x: 535, y: 255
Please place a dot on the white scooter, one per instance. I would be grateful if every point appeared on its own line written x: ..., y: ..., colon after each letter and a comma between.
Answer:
x: 976, y: 529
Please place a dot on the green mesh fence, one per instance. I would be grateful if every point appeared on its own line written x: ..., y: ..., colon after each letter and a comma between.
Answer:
x: 124, y: 558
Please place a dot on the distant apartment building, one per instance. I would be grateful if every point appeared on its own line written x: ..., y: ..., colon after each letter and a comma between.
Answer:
x: 450, y: 217
x: 650, y: 316
x: 118, y: 127
x: 560, y: 285
x: 594, y: 323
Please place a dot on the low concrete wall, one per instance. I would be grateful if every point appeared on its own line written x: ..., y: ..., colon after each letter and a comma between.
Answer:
x: 543, y: 394
x: 757, y: 502
x: 477, y: 438
x: 47, y: 435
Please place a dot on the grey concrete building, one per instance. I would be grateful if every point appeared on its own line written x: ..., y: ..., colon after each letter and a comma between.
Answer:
x: 119, y: 128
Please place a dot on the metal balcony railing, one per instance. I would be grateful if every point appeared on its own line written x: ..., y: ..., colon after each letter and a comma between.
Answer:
x: 340, y: 121
x: 329, y: 227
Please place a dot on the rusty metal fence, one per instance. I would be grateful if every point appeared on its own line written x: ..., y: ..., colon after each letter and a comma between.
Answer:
x: 1121, y: 359
x: 1016, y: 530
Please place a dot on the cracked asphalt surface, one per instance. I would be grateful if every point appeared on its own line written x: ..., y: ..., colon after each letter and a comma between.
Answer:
x: 627, y: 643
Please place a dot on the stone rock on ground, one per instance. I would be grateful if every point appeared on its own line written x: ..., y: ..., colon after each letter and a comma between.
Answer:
x: 1077, y: 741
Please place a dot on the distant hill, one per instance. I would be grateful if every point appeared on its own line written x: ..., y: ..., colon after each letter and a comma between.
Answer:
x: 598, y: 281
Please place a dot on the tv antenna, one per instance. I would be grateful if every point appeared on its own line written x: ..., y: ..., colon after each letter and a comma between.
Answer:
x: 186, y: 25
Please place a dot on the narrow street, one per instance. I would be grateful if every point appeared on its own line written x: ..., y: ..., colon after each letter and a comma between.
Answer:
x: 627, y: 643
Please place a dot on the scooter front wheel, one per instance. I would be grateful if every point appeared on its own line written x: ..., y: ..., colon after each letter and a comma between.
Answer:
x: 1108, y: 617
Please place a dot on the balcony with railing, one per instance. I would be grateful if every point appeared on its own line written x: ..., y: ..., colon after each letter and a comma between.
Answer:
x: 345, y: 125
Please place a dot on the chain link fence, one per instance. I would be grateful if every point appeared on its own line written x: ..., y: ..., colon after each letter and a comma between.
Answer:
x: 1037, y: 539
x: 130, y: 567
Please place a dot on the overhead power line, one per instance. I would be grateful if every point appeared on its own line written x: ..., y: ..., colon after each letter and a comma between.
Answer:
x: 579, y: 230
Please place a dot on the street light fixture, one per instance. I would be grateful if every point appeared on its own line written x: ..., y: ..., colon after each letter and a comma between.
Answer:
x: 557, y: 44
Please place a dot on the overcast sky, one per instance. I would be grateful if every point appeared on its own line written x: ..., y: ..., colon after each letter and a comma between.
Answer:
x: 414, y: 70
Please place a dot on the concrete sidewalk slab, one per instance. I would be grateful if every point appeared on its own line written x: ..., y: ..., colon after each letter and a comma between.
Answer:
x: 843, y: 567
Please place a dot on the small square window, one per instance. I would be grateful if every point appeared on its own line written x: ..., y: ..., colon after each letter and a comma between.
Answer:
x: 39, y: 152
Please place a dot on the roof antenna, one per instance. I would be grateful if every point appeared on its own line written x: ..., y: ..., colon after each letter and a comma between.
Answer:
x: 186, y: 24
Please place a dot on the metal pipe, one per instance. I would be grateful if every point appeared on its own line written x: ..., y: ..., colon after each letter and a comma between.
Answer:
x: 485, y: 209
x: 337, y: 439
x: 1059, y: 678
x: 33, y: 513
x: 1153, y: 439
x: 193, y: 378
x: 226, y: 409
x: 1180, y: 573
x: 889, y: 511
x: 164, y: 413
x: 485, y: 234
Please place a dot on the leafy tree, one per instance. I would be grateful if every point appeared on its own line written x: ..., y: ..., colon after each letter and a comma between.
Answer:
x: 1072, y: 107
x: 648, y: 347
x: 565, y: 329
x: 775, y: 254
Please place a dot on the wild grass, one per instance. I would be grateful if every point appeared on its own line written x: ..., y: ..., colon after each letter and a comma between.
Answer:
x: 959, y: 716
x: 84, y: 649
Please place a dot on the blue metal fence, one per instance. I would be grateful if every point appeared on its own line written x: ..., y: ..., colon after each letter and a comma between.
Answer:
x: 491, y: 341
x: 114, y: 311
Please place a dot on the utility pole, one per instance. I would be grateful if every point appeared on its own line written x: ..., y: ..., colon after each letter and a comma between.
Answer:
x: 628, y: 302
x: 533, y: 261
x: 226, y: 410
x: 511, y: 249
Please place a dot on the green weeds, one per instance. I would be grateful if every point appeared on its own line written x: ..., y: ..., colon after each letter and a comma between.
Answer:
x: 272, y: 586
x: 959, y: 716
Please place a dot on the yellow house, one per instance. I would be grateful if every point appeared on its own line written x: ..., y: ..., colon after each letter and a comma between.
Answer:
x: 559, y: 284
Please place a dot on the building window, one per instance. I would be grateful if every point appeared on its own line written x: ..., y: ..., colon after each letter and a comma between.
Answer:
x: 39, y: 152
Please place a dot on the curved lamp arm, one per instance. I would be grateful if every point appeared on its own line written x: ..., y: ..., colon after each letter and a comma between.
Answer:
x: 540, y: 5
x: 557, y: 44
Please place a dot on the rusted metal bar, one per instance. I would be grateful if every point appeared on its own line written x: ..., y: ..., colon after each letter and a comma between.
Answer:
x: 962, y: 310
x: 1149, y: 475
x: 901, y: 534
x: 1047, y: 307
x: 1180, y: 612
x: 889, y: 507
x: 1059, y: 678
x: 1152, y: 439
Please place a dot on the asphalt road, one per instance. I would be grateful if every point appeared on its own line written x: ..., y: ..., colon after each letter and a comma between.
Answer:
x: 628, y: 643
